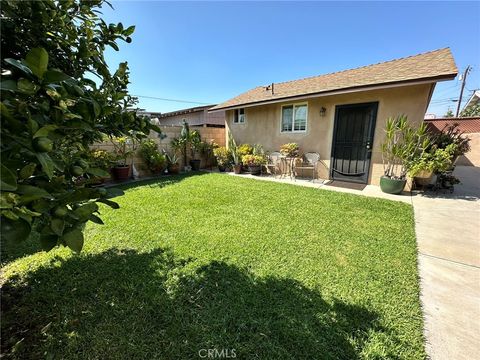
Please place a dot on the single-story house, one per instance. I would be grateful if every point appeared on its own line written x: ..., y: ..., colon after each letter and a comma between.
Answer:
x: 473, y: 102
x: 195, y: 116
x: 470, y: 127
x: 340, y: 115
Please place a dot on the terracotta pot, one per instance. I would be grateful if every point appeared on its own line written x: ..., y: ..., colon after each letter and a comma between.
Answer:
x: 121, y: 173
x: 173, y: 169
x: 237, y: 169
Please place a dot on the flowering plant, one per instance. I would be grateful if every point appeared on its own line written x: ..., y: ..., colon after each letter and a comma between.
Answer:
x: 290, y: 149
x: 253, y: 160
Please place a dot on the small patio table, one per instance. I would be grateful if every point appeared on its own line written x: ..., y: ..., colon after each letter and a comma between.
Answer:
x: 287, y: 166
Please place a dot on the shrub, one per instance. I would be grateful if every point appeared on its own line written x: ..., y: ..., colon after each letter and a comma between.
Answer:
x: 436, y: 160
x: 102, y: 159
x: 451, y: 134
x: 154, y: 160
x: 253, y: 160
x: 244, y: 149
x: 223, y: 156
x: 290, y: 149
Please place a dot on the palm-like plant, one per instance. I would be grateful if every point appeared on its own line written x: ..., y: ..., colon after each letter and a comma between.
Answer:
x: 403, y: 146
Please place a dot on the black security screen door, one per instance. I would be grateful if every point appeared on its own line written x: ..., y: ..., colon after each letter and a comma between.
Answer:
x: 352, y: 142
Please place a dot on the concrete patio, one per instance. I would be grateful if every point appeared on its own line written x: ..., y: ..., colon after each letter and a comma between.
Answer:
x: 448, y: 237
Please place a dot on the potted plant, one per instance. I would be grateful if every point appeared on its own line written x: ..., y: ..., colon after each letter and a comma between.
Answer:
x: 195, y: 142
x: 403, y: 145
x: 155, y: 161
x: 122, y: 150
x: 173, y: 165
x: 234, y: 154
x: 254, y: 163
x: 435, y: 160
x: 222, y: 155
x: 290, y: 150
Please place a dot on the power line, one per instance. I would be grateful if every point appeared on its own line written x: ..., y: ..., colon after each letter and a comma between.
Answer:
x: 174, y: 100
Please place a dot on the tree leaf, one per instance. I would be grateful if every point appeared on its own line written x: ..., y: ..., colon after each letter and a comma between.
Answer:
x: 84, y: 211
x: 56, y: 76
x: 8, y: 85
x: 110, y: 203
x: 47, y: 163
x: 74, y: 240
x: 95, y: 219
x: 19, y: 66
x: 37, y: 61
x: 14, y: 230
x: 8, y: 180
x: 45, y: 130
x: 26, y: 86
x: 57, y: 226
x: 129, y: 31
x: 48, y: 242
x: 34, y: 192
x: 98, y: 172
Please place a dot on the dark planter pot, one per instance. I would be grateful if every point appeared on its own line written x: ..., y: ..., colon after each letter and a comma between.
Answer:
x: 174, y: 169
x: 237, y: 169
x: 221, y: 168
x: 392, y: 186
x: 255, y: 169
x: 121, y: 173
x: 195, y: 164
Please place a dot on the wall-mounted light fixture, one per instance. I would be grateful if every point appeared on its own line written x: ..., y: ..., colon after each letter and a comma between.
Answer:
x: 323, y: 111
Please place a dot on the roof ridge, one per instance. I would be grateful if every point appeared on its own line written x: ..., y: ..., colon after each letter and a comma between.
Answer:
x: 360, y: 67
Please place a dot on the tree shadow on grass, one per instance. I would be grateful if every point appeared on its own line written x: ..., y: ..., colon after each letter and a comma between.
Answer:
x: 159, y: 181
x: 12, y: 251
x: 128, y: 305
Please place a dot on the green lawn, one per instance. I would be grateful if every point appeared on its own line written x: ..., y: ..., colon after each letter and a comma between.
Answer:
x: 270, y: 270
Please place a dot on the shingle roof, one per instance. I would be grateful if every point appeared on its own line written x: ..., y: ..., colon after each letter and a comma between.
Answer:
x: 467, y: 125
x: 435, y: 65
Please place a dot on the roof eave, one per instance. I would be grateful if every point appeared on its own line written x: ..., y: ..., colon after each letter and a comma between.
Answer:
x: 434, y: 79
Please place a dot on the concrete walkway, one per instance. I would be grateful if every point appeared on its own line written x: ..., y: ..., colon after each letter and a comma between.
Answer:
x: 448, y: 237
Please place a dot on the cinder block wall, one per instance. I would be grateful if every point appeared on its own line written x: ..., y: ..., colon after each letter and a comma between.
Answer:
x: 208, y: 134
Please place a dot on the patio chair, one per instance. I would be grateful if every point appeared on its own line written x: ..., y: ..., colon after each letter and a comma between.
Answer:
x: 309, y: 162
x: 273, y: 163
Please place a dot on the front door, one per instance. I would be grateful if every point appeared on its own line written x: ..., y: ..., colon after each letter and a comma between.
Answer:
x: 352, y: 142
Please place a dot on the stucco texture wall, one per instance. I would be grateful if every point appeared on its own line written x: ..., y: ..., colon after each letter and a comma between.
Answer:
x: 262, y: 125
x: 472, y: 158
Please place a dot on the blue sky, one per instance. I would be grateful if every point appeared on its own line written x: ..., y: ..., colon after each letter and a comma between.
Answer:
x: 208, y: 52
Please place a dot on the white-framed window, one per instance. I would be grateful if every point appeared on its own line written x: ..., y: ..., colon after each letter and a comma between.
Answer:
x: 294, y: 118
x: 239, y: 116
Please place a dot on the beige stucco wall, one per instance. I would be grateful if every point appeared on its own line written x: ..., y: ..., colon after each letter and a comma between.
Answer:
x: 262, y: 124
x: 472, y: 158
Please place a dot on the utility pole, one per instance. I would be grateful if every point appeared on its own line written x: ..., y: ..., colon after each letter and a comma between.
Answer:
x: 464, y: 79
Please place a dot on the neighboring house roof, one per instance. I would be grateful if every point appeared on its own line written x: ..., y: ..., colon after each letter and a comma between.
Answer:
x: 185, y: 111
x: 466, y: 125
x: 433, y: 66
x: 195, y: 116
x: 474, y: 100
